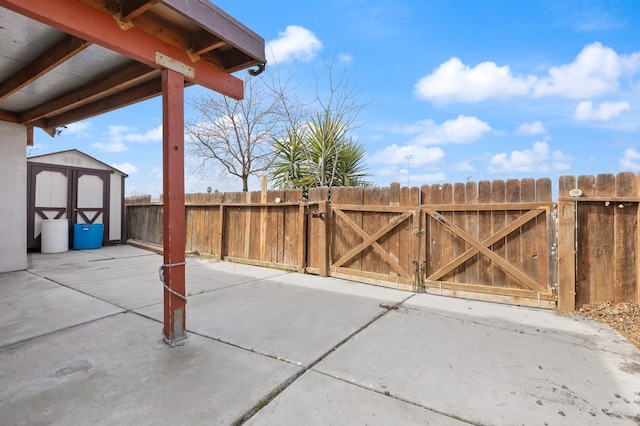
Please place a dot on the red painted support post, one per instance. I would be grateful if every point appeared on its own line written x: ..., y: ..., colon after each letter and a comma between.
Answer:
x: 173, y: 211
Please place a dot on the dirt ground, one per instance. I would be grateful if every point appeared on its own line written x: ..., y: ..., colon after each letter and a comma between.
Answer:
x: 624, y: 317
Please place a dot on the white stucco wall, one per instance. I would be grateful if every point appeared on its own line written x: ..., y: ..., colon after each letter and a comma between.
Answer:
x: 115, y: 208
x: 13, y: 197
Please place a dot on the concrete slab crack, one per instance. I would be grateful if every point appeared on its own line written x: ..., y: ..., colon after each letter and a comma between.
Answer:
x: 284, y: 385
x: 399, y: 398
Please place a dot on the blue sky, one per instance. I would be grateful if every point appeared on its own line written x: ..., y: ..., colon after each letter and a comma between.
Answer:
x: 468, y: 90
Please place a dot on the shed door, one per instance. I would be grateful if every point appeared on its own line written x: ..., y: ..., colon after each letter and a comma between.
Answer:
x: 48, y: 198
x: 90, y: 204
x: 58, y: 192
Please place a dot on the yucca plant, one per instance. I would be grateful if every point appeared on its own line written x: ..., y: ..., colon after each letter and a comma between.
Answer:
x: 289, y: 165
x: 320, y: 154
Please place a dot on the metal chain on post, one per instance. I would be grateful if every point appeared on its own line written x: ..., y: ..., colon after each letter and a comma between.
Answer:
x: 169, y: 289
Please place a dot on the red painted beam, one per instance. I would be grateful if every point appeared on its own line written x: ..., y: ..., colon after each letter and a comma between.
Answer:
x: 173, y: 226
x: 85, y: 22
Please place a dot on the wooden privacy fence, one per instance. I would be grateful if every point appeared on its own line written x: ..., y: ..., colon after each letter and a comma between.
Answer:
x: 494, y: 240
x: 261, y: 228
x: 598, y: 239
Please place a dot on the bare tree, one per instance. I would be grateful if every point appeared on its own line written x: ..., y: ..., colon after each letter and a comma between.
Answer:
x: 235, y: 136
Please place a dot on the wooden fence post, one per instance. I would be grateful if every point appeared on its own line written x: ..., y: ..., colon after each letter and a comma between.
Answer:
x: 566, y: 246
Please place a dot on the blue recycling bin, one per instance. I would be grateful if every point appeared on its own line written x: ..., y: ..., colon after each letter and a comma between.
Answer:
x: 87, y: 236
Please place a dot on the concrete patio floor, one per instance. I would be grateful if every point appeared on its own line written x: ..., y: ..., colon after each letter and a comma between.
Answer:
x: 81, y: 344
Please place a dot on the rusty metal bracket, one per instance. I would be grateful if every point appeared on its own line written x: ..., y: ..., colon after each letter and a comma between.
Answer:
x: 124, y: 26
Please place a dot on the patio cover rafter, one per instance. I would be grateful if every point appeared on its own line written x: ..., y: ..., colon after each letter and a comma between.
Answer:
x: 65, y: 49
x: 126, y: 77
x: 88, y: 23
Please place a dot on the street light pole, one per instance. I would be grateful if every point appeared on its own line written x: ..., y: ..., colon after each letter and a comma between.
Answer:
x: 408, y: 158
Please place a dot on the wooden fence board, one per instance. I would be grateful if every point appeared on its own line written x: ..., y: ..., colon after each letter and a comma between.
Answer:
x: 434, y: 233
x: 528, y: 243
x: 417, y: 243
x: 292, y: 227
x: 273, y: 228
x: 602, y: 241
x: 393, y: 241
x: 498, y: 221
x: 459, y: 218
x: 405, y: 240
x: 484, y: 231
x: 447, y: 239
x: 625, y: 238
x: 586, y: 214
x: 545, y: 235
x: 566, y: 246
x: 636, y: 297
x: 513, y: 240
x: 381, y: 219
x: 472, y: 266
x: 319, y: 239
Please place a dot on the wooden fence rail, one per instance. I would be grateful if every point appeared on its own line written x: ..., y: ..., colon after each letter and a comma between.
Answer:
x: 505, y: 241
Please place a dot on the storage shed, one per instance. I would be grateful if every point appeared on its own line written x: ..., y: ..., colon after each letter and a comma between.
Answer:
x: 74, y: 186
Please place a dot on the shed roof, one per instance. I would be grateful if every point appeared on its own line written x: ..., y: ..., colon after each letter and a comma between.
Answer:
x: 59, y: 154
x: 62, y: 61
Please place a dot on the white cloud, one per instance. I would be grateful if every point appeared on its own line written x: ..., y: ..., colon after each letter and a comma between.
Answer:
x: 455, y: 81
x: 119, y: 135
x: 395, y: 154
x: 294, y: 43
x: 155, y: 172
x: 152, y: 135
x: 631, y: 160
x: 462, y: 129
x: 396, y: 174
x: 79, y: 129
x: 345, y: 59
x: 537, y: 159
x: 605, y: 112
x: 464, y: 166
x: 533, y: 128
x: 112, y: 146
x: 391, y: 171
x: 596, y: 71
x: 127, y: 168
x: 426, y: 178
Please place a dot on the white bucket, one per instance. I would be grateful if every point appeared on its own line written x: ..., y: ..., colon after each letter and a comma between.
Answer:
x: 55, y: 236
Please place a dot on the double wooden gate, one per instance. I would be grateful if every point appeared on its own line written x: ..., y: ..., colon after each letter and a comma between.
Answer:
x: 487, y: 240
